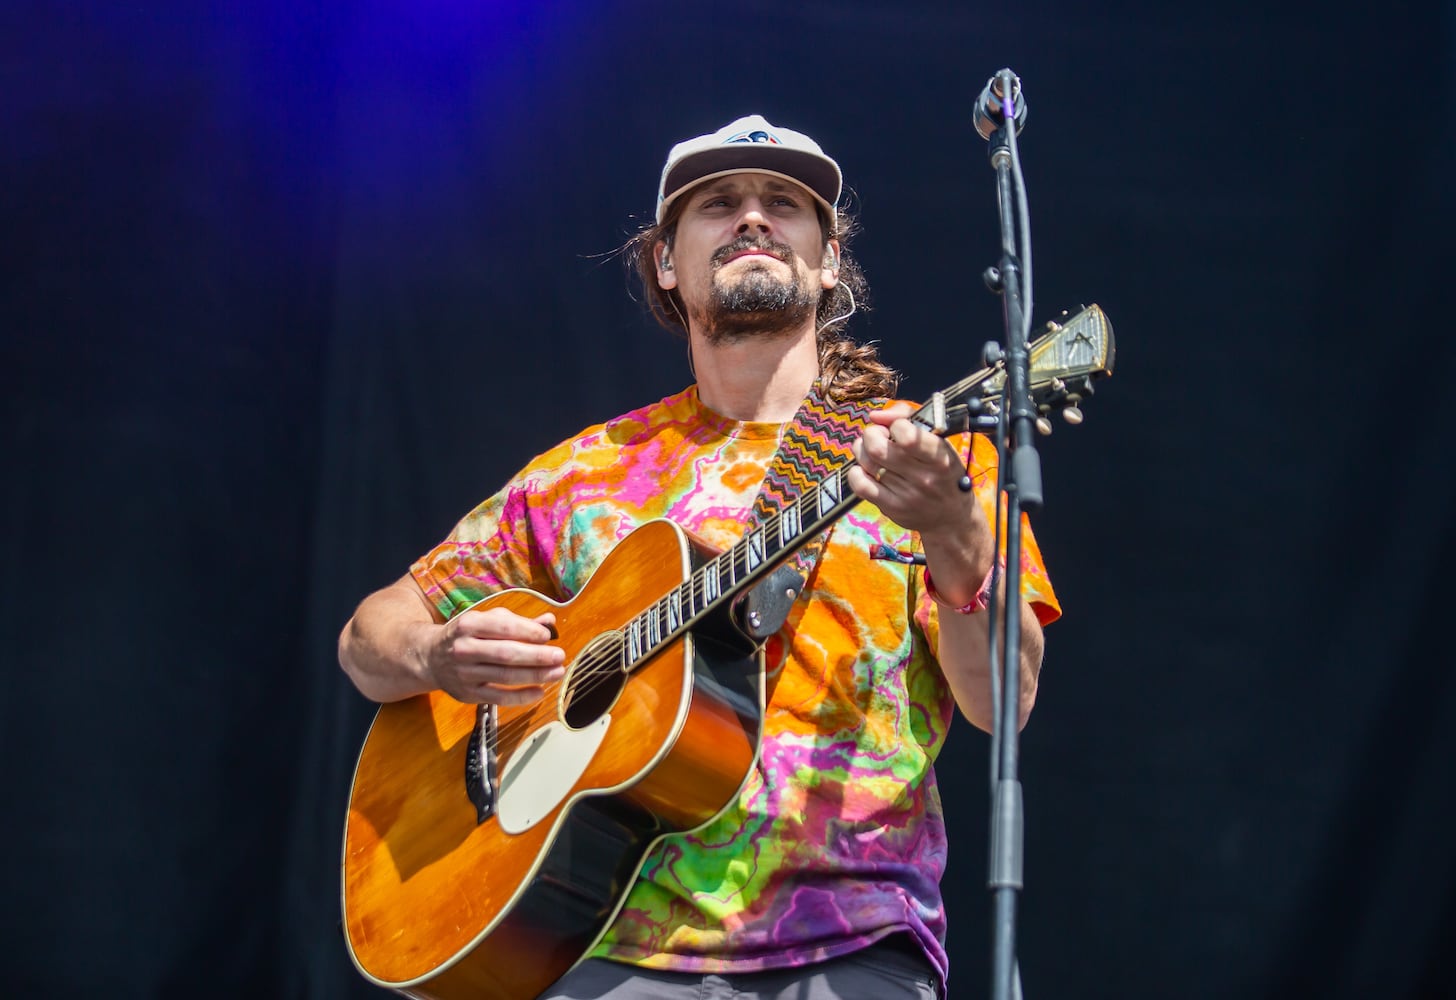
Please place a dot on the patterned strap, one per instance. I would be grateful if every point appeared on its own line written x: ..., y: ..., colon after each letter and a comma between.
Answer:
x: 815, y: 443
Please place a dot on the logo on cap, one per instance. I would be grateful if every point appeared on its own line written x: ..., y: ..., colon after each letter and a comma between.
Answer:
x: 758, y: 135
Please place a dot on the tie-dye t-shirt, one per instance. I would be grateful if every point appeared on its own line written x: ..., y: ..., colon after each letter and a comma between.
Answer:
x: 837, y: 837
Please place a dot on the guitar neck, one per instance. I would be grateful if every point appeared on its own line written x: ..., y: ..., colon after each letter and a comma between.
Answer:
x: 1063, y: 362
x: 720, y: 580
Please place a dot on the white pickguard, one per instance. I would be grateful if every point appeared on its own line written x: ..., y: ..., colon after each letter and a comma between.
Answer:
x: 543, y: 770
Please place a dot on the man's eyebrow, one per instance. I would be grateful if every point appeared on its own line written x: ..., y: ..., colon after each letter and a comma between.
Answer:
x: 719, y: 186
x: 730, y: 185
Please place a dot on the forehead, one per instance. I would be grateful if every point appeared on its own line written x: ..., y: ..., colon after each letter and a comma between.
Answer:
x: 751, y: 181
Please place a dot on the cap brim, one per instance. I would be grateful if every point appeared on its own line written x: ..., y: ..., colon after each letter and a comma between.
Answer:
x: 813, y: 172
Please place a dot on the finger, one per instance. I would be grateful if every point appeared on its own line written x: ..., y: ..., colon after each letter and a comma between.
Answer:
x: 915, y: 441
x: 547, y: 619
x: 891, y: 413
x: 514, y: 696
x: 872, y: 448
x: 490, y: 694
x: 502, y: 623
x: 923, y: 454
x: 478, y: 674
x: 864, y: 484
x: 868, y: 471
x: 507, y: 652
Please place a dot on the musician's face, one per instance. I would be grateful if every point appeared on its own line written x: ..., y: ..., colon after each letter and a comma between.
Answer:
x: 748, y: 256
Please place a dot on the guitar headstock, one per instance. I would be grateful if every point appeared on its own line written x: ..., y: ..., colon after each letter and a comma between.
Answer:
x: 1064, y: 361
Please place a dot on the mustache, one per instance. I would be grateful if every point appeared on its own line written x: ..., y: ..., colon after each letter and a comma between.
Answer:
x: 782, y: 251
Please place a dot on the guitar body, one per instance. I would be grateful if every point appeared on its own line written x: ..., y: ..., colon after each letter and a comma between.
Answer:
x: 444, y: 898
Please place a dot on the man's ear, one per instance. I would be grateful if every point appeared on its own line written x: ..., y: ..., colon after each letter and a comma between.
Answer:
x: 666, y: 275
x: 829, y: 271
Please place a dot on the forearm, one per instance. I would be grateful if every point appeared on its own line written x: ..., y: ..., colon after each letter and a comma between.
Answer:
x: 914, y: 478
x: 959, y: 565
x: 964, y: 656
x: 382, y: 648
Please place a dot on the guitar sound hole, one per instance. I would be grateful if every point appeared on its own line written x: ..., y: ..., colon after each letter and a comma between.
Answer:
x: 595, y: 682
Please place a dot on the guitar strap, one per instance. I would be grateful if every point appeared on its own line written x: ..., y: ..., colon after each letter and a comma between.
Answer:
x: 816, y: 442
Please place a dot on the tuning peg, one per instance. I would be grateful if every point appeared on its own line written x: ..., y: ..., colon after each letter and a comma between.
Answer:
x: 1043, y: 426
x: 1072, y: 415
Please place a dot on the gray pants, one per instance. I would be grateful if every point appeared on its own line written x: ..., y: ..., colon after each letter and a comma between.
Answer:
x: 885, y: 971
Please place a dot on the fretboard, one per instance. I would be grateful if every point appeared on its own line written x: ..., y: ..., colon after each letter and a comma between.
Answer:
x: 724, y: 577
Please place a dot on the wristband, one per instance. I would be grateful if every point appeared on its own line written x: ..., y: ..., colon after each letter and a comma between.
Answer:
x: 980, y: 602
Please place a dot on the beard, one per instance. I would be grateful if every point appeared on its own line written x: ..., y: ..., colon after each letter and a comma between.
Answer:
x: 760, y: 303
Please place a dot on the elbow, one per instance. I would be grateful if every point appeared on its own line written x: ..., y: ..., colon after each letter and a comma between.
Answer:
x: 347, y: 661
x: 982, y: 713
x: 348, y: 653
x: 1028, y: 700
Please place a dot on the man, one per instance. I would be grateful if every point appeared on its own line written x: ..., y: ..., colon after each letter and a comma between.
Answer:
x: 822, y: 877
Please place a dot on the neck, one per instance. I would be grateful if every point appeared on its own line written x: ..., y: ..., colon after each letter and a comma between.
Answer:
x: 752, y: 379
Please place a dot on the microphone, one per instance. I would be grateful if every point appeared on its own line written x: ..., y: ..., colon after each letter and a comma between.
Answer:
x: 990, y: 106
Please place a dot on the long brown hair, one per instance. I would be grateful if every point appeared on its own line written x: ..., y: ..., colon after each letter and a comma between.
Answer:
x: 849, y: 370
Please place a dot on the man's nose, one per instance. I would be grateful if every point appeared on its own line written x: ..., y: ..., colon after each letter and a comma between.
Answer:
x: 752, y: 220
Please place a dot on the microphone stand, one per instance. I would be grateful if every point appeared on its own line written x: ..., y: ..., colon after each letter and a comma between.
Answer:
x: 1020, y: 482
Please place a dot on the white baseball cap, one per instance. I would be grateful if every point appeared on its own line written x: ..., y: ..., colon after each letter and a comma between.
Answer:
x: 750, y: 143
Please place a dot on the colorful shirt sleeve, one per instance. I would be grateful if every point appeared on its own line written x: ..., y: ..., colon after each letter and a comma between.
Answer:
x: 496, y: 546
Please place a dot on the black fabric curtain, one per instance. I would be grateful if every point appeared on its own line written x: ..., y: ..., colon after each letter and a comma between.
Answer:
x: 285, y: 290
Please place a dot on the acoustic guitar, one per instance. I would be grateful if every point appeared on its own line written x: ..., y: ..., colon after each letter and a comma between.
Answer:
x: 487, y: 849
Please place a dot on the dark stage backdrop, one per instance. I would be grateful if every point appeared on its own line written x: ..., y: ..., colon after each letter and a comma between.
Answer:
x: 286, y: 288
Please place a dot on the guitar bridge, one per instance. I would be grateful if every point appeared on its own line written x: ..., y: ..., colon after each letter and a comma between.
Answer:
x: 482, y: 776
